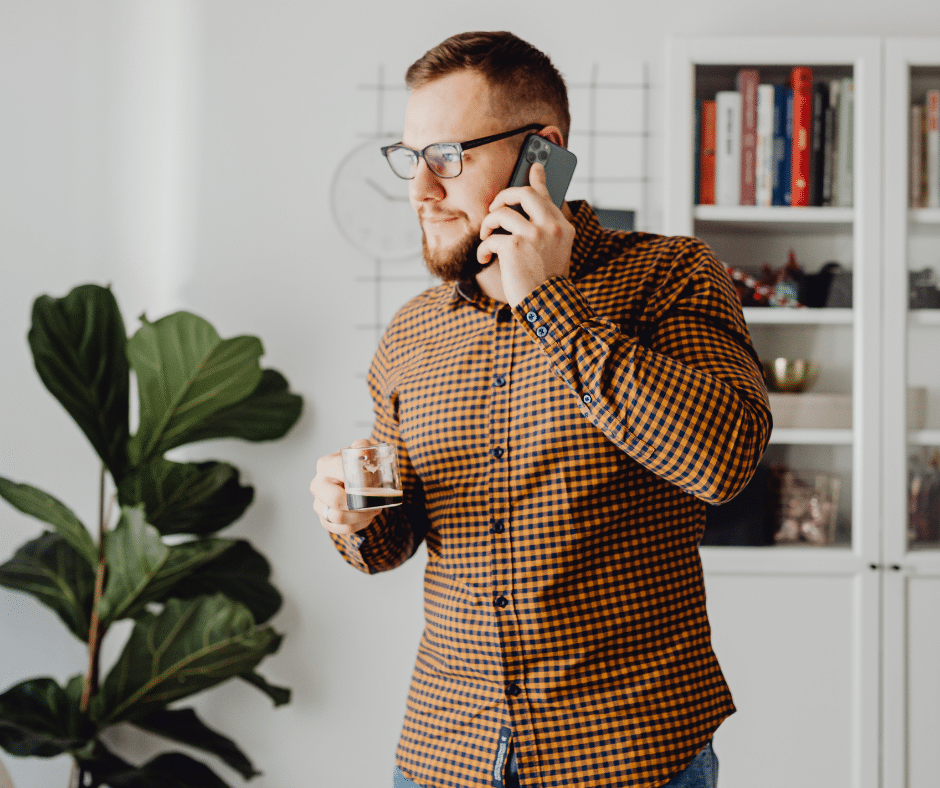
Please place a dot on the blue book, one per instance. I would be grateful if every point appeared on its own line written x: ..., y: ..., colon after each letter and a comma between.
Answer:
x: 783, y: 144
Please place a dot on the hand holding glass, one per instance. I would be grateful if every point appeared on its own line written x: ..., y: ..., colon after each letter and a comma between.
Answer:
x: 371, y: 477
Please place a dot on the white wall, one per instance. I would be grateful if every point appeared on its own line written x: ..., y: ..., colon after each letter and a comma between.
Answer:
x: 183, y: 151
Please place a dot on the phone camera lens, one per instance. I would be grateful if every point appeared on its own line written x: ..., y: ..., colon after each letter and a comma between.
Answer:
x: 543, y: 155
x: 530, y: 157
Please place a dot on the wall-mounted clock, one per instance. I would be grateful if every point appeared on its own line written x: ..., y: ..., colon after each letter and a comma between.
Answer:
x: 370, y: 204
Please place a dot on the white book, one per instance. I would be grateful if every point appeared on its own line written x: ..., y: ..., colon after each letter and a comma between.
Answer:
x: 845, y: 155
x: 728, y: 148
x: 764, y: 158
x: 933, y: 148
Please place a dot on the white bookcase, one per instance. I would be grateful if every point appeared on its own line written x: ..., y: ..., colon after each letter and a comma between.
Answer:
x: 911, y: 621
x: 798, y: 630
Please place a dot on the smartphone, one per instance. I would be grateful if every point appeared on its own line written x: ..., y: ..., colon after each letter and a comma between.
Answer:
x: 559, y: 166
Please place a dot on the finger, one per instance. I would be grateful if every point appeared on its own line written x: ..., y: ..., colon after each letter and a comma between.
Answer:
x: 506, y: 218
x: 360, y: 443
x: 537, y: 177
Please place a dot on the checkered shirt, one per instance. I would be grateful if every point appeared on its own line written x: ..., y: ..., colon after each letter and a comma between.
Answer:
x: 556, y: 458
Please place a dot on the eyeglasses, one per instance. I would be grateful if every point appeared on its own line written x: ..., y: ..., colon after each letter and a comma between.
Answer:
x: 444, y: 159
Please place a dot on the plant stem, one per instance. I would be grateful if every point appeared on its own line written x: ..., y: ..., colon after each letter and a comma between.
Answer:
x: 96, y: 632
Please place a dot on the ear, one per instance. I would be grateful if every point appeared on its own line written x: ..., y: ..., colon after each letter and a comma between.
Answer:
x: 552, y: 134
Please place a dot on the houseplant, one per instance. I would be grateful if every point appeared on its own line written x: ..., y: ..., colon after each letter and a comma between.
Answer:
x: 199, y: 602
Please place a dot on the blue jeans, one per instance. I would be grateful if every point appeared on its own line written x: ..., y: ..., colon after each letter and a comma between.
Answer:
x: 701, y: 773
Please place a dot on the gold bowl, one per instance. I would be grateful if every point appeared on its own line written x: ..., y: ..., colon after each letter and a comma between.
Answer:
x: 790, y: 375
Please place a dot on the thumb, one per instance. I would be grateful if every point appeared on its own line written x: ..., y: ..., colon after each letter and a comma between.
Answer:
x: 537, y: 175
x: 360, y: 443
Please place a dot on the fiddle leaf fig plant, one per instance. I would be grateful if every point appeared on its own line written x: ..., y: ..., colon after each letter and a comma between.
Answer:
x: 199, y: 602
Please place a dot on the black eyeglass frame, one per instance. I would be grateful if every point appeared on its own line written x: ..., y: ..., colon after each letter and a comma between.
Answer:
x: 461, y: 147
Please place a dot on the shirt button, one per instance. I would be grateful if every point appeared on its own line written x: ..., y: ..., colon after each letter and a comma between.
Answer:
x: 497, y: 452
x: 531, y: 317
x: 500, y: 601
x: 541, y: 331
x: 499, y: 380
x: 514, y: 690
x: 497, y: 527
x: 587, y: 399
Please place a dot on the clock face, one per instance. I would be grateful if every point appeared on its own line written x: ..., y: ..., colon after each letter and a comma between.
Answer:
x: 370, y: 204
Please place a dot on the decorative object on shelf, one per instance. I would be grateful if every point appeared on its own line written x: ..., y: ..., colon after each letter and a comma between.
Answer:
x: 807, y: 503
x: 811, y: 411
x: 924, y: 496
x: 924, y: 293
x: 199, y: 603
x: 790, y: 375
x: 791, y: 286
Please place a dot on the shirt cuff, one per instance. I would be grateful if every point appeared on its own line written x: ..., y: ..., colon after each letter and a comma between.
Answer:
x: 553, y: 310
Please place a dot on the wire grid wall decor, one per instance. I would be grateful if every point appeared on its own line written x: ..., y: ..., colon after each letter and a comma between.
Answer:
x: 609, y: 135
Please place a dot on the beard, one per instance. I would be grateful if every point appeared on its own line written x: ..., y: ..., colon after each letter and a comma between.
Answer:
x: 455, y: 264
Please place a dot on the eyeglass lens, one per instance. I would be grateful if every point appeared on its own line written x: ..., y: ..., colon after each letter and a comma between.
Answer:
x: 443, y: 159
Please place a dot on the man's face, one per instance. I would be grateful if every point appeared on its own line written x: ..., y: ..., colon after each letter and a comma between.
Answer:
x: 456, y: 108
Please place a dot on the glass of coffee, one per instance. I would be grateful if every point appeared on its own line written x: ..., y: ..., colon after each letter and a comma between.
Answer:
x: 371, y: 477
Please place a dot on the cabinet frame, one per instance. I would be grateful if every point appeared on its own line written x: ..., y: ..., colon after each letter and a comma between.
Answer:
x: 861, y: 563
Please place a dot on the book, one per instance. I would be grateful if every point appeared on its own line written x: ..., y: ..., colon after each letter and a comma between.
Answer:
x: 830, y: 143
x: 783, y: 138
x: 845, y: 153
x: 706, y: 167
x: 764, y: 151
x: 932, y: 145
x: 817, y: 143
x: 801, y: 80
x: 747, y: 82
x: 917, y: 164
x: 728, y: 148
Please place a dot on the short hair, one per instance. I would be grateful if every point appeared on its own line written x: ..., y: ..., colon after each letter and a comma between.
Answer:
x: 522, y: 77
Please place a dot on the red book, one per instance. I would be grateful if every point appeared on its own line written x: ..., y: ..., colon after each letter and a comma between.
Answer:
x: 747, y: 87
x: 707, y: 154
x: 801, y: 80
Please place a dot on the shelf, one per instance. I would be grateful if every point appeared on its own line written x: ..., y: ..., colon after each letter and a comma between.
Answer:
x: 924, y: 215
x: 780, y: 217
x: 924, y: 317
x: 811, y: 437
x: 924, y: 438
x: 836, y: 559
x: 756, y: 315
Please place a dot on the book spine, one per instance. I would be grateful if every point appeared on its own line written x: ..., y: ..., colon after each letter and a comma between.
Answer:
x: 801, y: 80
x: 764, y: 158
x: 916, y: 145
x: 707, y: 154
x: 846, y: 158
x: 816, y: 158
x: 933, y: 148
x: 728, y: 148
x: 747, y: 86
x: 830, y: 144
x: 781, y: 173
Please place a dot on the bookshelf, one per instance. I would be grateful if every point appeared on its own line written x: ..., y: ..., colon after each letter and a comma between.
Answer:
x: 911, y: 595
x: 794, y: 595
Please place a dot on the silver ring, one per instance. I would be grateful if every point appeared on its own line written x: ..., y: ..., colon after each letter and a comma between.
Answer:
x: 326, y: 514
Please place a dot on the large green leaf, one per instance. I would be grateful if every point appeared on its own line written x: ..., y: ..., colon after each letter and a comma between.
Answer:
x: 78, y: 345
x: 39, y: 718
x: 198, y: 498
x: 190, y: 646
x: 142, y: 569
x: 135, y: 554
x: 36, y: 503
x: 170, y: 770
x: 183, y: 725
x: 266, y: 414
x: 51, y: 570
x: 185, y: 373
x: 240, y: 573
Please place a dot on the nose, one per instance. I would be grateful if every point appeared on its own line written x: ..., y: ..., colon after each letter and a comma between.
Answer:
x: 425, y: 185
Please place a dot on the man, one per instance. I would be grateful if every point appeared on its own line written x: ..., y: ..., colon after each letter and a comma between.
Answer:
x: 563, y: 407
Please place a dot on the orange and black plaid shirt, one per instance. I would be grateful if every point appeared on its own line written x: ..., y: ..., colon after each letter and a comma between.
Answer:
x: 556, y: 459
